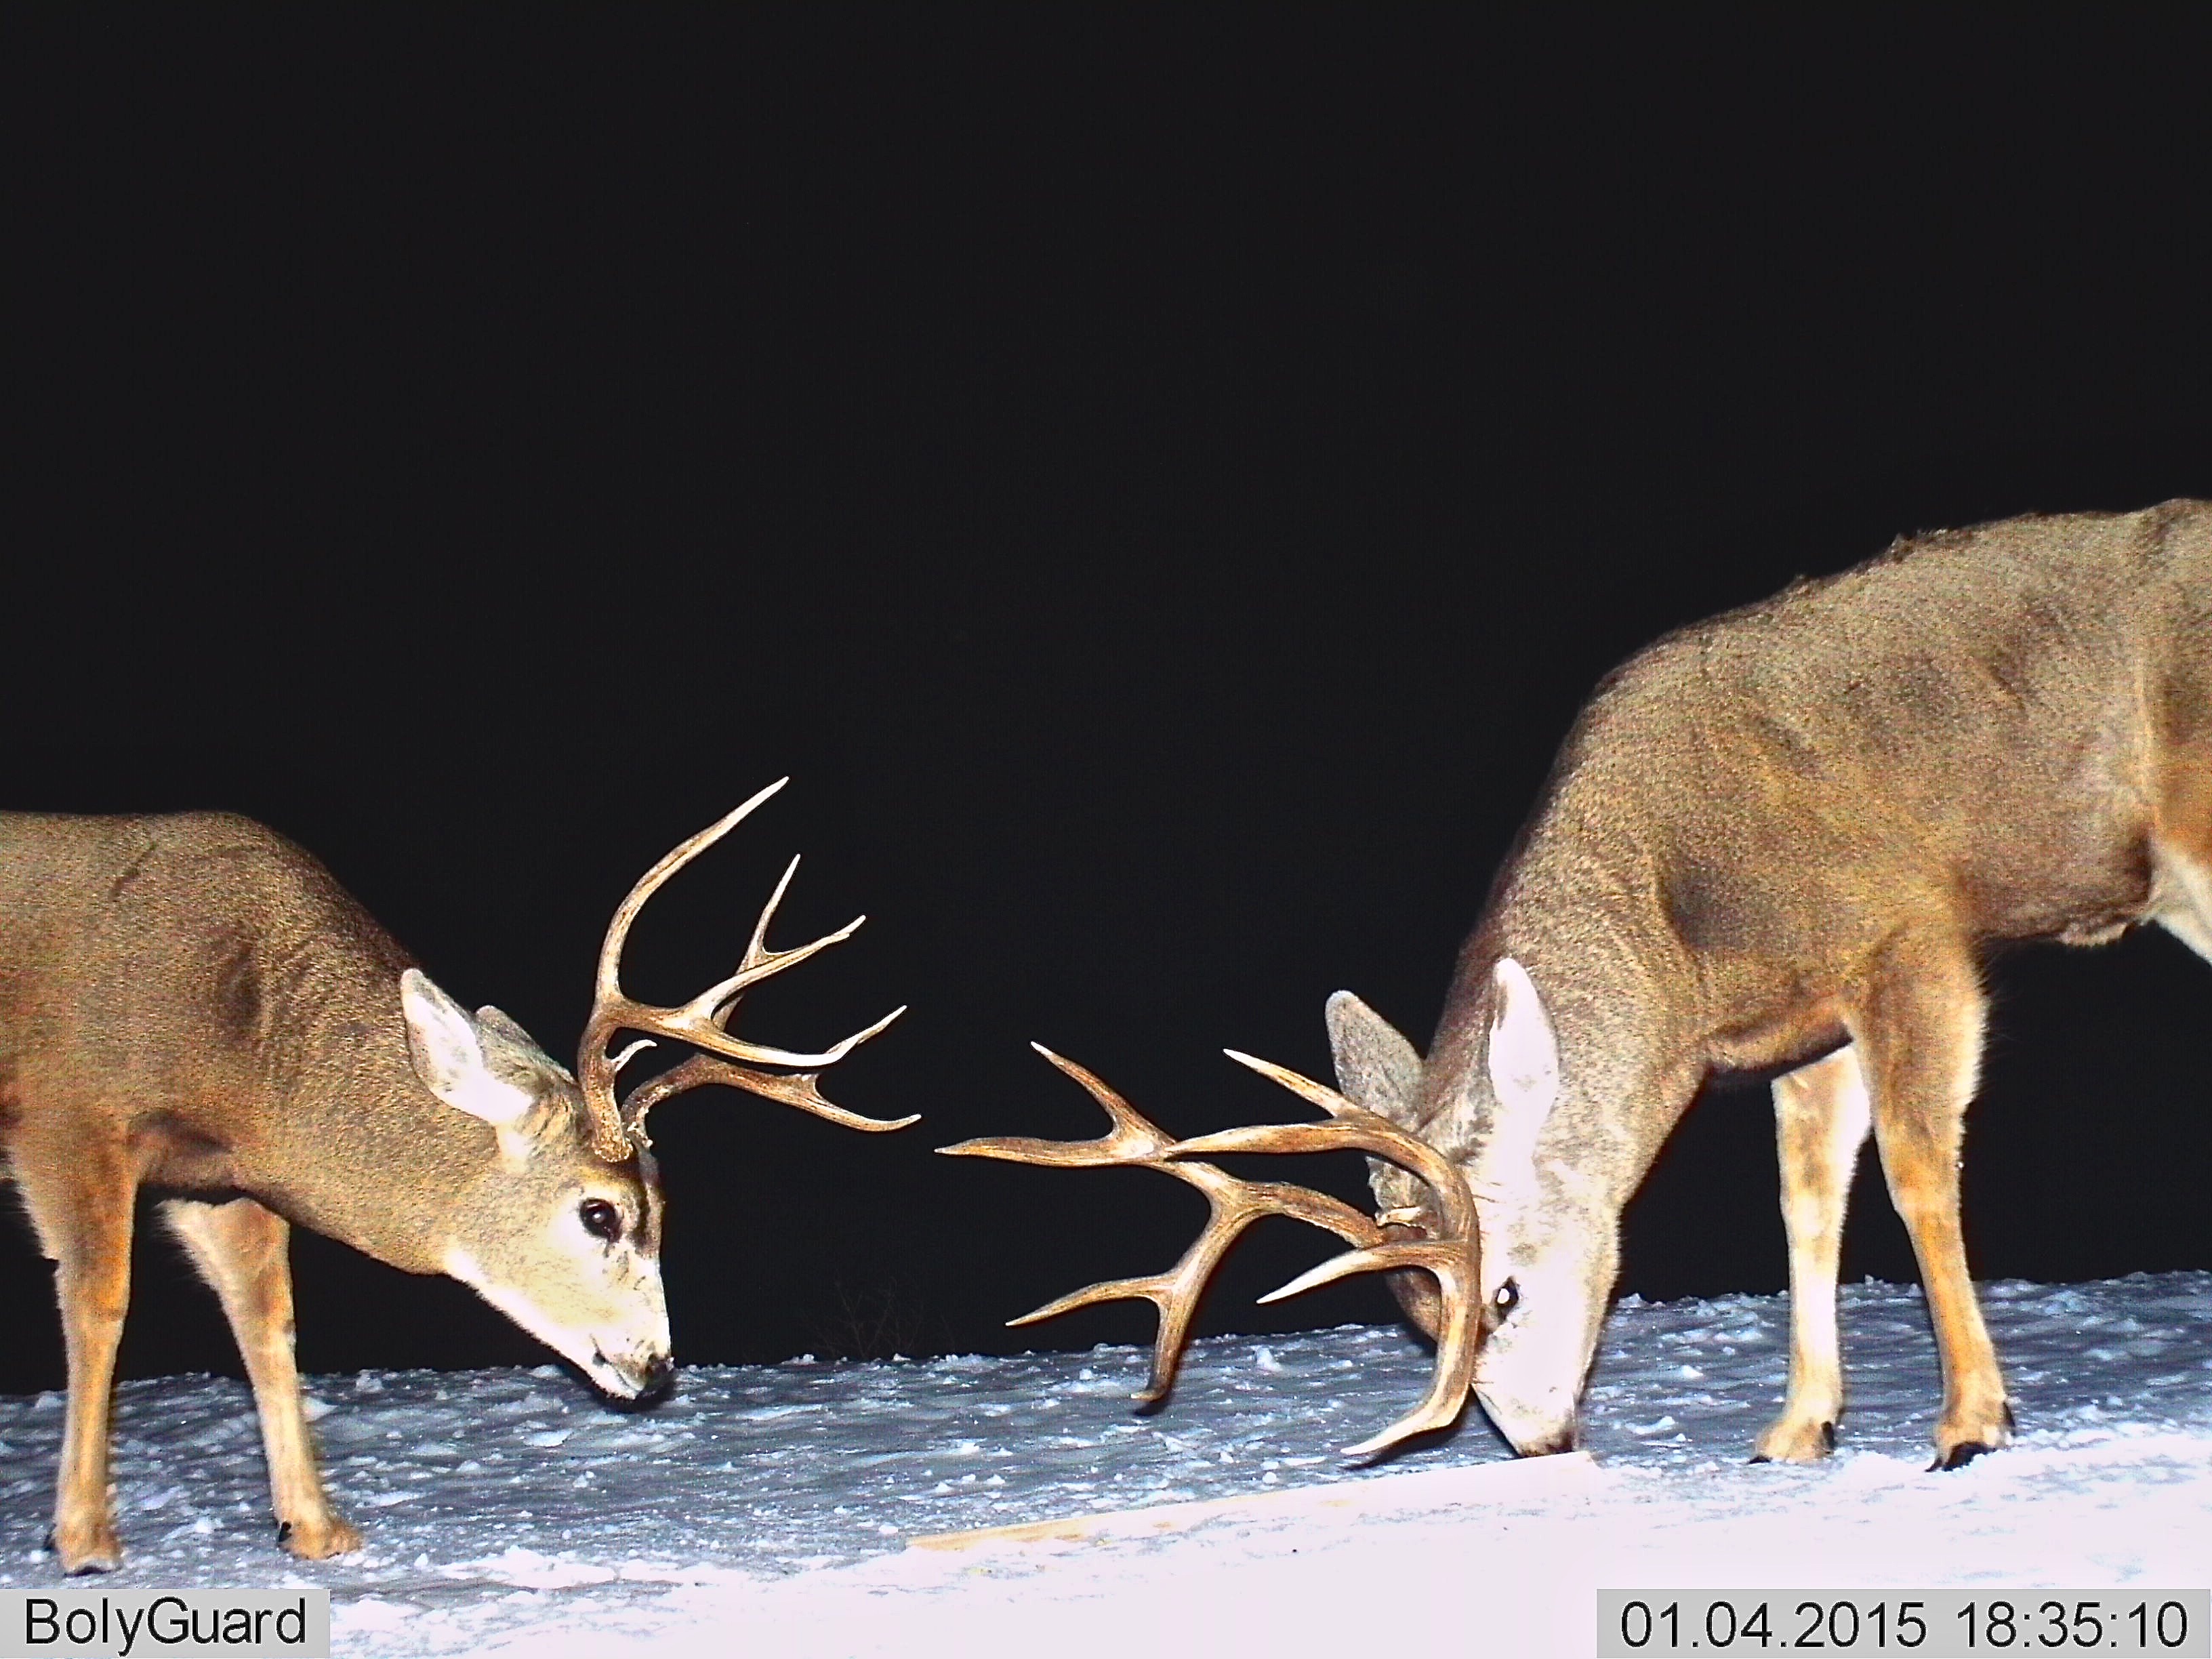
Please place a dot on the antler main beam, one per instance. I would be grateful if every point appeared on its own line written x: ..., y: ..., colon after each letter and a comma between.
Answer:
x: 704, y: 1022
x: 1450, y: 1256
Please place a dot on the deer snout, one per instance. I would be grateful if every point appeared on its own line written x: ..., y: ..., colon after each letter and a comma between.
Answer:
x: 1535, y: 1427
x: 642, y: 1374
x: 1534, y: 1437
x: 1559, y: 1440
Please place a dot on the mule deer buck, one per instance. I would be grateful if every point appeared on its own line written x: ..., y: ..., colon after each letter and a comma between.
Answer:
x: 191, y: 1005
x: 1779, y: 840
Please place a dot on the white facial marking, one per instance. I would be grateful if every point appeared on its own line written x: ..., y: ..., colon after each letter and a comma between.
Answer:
x: 593, y: 1351
x: 1529, y: 1373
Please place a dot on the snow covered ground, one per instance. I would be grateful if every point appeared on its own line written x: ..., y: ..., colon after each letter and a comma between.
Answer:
x: 768, y: 1509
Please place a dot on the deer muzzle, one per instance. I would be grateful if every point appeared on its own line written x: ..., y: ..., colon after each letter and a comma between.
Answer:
x: 1534, y: 1426
x: 642, y: 1375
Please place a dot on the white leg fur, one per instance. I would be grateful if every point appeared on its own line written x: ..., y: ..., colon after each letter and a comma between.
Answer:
x: 1821, y: 1118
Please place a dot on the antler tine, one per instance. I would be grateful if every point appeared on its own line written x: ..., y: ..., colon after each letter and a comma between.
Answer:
x: 1232, y: 1206
x: 611, y: 947
x: 1451, y: 1257
x: 1133, y: 1138
x: 1357, y: 1128
x: 759, y: 963
x: 1458, y: 1334
x: 702, y: 1021
x: 757, y: 946
x: 762, y: 1054
x: 797, y: 1090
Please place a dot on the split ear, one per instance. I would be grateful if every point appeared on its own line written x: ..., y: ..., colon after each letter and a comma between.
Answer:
x: 1376, y: 1066
x: 449, y: 1051
x: 1524, y: 1052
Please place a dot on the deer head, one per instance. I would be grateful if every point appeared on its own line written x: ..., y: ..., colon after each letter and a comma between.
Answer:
x: 1549, y: 1245
x: 561, y: 1232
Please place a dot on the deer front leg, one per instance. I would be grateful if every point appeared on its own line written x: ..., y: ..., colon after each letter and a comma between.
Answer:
x: 80, y: 1202
x: 1920, y: 1040
x: 1821, y: 1120
x: 243, y: 1251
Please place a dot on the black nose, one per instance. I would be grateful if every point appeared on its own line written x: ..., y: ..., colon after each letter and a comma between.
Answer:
x: 660, y: 1374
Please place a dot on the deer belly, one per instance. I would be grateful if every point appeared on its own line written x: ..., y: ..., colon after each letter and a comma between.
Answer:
x: 175, y: 1155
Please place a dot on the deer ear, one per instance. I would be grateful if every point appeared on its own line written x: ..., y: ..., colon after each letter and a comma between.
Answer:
x: 497, y: 1022
x: 448, y: 1051
x: 1375, y: 1065
x: 504, y: 1039
x: 1524, y: 1055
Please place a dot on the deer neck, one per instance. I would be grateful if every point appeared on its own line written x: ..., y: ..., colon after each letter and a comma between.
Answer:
x: 1579, y: 907
x: 361, y: 1153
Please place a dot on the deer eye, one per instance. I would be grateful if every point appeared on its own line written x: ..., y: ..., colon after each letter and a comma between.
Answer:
x: 1508, y: 1298
x: 600, y: 1218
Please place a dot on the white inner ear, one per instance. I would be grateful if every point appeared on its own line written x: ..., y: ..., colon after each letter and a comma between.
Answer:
x: 1524, y: 1072
x: 1524, y: 1055
x: 449, y: 1056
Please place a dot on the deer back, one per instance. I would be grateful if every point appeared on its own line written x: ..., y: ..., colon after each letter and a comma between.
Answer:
x: 1994, y: 728
x: 200, y: 988
x: 2003, y: 732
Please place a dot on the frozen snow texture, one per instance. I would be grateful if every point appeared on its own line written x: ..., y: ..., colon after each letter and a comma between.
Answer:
x: 769, y: 1505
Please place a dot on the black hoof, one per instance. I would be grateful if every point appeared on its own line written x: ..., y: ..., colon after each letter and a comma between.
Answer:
x: 283, y: 1530
x: 1759, y: 1457
x: 47, y: 1542
x: 1828, y: 1435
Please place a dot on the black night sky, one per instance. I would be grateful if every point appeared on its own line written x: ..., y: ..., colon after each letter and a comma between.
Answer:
x: 1162, y: 484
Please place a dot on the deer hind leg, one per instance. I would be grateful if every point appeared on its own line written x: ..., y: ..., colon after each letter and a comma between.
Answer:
x: 1920, y: 1039
x: 80, y: 1201
x: 242, y: 1249
x: 1822, y: 1116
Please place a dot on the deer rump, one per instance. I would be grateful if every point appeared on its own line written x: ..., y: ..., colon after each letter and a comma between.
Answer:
x: 192, y: 1004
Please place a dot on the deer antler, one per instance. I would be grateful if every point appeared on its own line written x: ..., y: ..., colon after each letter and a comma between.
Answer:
x: 1451, y: 1255
x: 618, y: 1126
